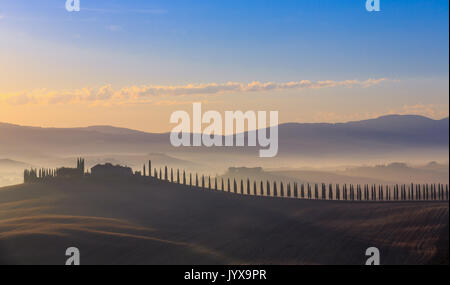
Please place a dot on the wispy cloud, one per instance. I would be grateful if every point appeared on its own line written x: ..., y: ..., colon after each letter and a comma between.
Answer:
x: 145, y: 93
x: 433, y: 111
x: 114, y: 28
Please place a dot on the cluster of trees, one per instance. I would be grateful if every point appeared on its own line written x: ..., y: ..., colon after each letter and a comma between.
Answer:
x: 34, y: 175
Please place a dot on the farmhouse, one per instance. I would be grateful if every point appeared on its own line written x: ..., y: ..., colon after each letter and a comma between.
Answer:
x: 107, y: 169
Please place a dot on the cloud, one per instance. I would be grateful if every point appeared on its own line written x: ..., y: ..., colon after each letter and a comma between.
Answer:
x: 114, y: 28
x: 146, y: 93
x: 427, y: 110
x: 433, y: 111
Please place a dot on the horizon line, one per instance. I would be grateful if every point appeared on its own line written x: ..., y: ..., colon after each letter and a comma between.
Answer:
x: 280, y: 124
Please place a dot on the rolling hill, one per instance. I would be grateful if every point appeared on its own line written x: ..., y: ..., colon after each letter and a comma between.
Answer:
x: 144, y: 222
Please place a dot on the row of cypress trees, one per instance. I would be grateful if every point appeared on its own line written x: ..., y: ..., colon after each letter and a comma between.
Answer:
x: 308, y: 191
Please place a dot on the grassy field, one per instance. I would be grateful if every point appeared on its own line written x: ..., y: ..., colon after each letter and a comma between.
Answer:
x: 142, y: 222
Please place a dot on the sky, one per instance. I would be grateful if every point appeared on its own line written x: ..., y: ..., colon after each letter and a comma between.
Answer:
x: 132, y: 63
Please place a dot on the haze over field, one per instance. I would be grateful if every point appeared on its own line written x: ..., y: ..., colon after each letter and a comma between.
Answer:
x: 343, y: 152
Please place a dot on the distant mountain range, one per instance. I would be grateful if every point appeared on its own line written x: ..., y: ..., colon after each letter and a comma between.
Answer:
x: 382, y: 138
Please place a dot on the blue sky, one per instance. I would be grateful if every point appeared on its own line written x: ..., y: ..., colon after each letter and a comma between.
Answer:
x: 125, y: 43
